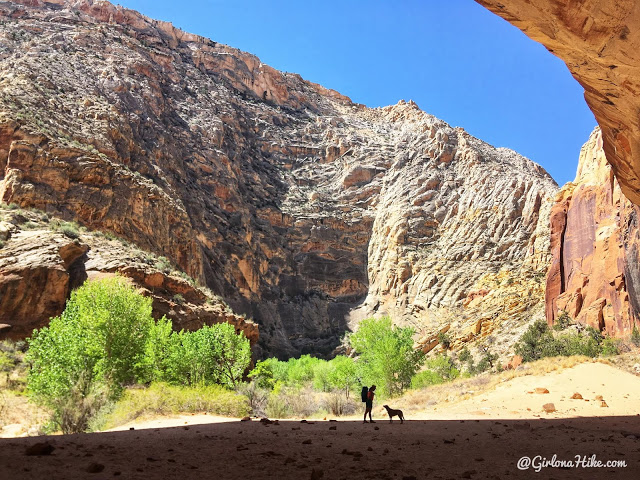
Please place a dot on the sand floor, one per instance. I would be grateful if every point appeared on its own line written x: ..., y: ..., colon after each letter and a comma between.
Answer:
x: 481, y: 437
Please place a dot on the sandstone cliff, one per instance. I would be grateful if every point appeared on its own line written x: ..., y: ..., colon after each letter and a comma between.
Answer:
x: 599, y: 41
x: 43, y: 259
x: 301, y: 209
x: 594, y: 273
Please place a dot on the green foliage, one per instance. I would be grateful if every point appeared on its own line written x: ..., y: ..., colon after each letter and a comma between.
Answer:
x: 7, y: 364
x: 91, y: 351
x: 635, y: 336
x: 163, y: 265
x: 301, y: 370
x: 337, y: 374
x: 155, y: 363
x: 535, y: 342
x: 540, y: 342
x: 596, y: 335
x: 573, y: 344
x: 165, y: 399
x: 386, y: 355
x: 486, y: 362
x: 178, y: 298
x: 444, y: 340
x: 343, y: 374
x: 439, y: 369
x: 465, y: 355
x: 212, y: 354
x: 610, y: 346
x: 263, y: 373
x: 106, y: 339
x: 562, y: 322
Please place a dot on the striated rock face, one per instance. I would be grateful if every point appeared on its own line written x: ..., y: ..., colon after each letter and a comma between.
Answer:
x: 593, y: 274
x: 39, y: 267
x: 600, y: 43
x: 301, y: 209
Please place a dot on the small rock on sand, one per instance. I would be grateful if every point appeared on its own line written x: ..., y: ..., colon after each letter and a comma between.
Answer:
x: 576, y: 396
x: 541, y: 390
x: 41, y: 448
x: 95, y: 468
x: 549, y: 407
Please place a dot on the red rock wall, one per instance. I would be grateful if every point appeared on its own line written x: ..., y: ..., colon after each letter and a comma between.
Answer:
x: 594, y: 240
x: 598, y: 40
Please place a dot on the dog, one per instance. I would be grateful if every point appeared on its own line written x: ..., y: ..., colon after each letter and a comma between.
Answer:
x: 394, y: 413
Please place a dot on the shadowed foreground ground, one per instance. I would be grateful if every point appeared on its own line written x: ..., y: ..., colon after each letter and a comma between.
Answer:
x: 419, y: 449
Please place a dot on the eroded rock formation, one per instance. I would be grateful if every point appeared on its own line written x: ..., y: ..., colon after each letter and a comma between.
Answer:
x: 300, y: 208
x: 600, y: 43
x: 594, y: 273
x: 39, y: 266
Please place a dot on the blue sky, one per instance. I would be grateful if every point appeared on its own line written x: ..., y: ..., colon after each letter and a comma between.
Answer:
x: 455, y: 59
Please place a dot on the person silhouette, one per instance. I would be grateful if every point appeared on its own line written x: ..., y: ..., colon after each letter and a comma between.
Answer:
x: 369, y: 404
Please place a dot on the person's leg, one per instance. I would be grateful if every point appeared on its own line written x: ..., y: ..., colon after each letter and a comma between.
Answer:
x: 365, y: 414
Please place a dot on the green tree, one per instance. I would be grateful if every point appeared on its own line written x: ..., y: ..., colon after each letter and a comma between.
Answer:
x: 90, y: 351
x: 343, y: 374
x: 301, y: 370
x: 635, y: 336
x: 536, y: 342
x: 386, y: 355
x: 487, y: 361
x: 212, y: 354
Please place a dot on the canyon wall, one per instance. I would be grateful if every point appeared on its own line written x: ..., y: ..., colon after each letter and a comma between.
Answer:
x: 594, y: 271
x: 600, y: 43
x: 301, y: 209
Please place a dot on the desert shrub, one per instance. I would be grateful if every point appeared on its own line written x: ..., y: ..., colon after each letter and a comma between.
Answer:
x: 386, y: 355
x: 70, y: 231
x: 256, y: 396
x: 562, y: 322
x: 437, y: 370
x: 277, y: 406
x: 178, y: 298
x: 575, y: 344
x: 30, y: 225
x: 536, y: 342
x: 426, y: 378
x: 300, y: 402
x: 444, y: 340
x: 610, y: 346
x: 467, y: 359
x: 486, y: 362
x: 338, y: 404
x: 90, y: 351
x: 596, y: 335
x: 635, y: 336
x: 7, y: 364
x: 163, y: 264
x: 165, y: 399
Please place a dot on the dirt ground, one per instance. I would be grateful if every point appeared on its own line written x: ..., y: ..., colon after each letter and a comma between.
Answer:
x: 484, y: 436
